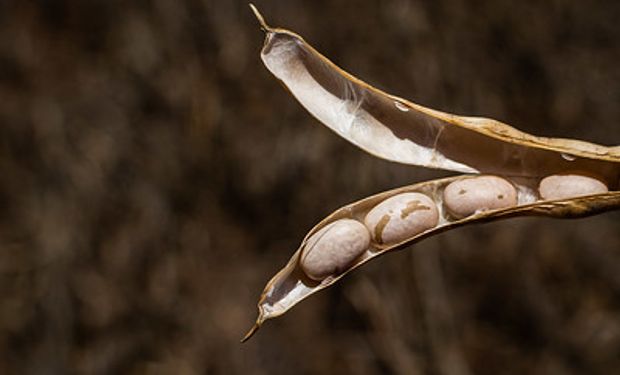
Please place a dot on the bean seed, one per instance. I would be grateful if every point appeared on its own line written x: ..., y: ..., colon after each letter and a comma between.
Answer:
x: 400, y: 217
x: 467, y: 196
x: 330, y: 250
x: 562, y: 186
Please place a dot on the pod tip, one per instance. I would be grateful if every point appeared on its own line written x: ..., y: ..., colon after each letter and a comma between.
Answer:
x: 260, y: 18
x: 251, y: 332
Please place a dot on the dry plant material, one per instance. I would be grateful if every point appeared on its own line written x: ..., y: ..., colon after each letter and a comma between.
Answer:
x: 511, y: 173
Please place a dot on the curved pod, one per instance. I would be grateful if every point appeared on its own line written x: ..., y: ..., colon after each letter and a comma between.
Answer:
x: 291, y: 284
x: 396, y: 129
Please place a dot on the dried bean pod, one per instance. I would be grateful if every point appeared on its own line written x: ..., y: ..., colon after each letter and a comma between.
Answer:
x: 569, y: 186
x: 400, y: 217
x: 467, y: 196
x: 333, y: 248
x: 395, y: 129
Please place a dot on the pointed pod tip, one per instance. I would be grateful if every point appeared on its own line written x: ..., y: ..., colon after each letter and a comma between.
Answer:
x: 260, y: 18
x: 251, y: 332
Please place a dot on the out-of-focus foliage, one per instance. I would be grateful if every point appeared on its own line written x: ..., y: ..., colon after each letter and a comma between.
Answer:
x: 153, y: 176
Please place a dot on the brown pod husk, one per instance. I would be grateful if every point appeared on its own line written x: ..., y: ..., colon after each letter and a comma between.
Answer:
x: 395, y: 129
x: 290, y: 285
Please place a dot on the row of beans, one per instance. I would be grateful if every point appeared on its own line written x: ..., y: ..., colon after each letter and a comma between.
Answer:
x: 334, y: 247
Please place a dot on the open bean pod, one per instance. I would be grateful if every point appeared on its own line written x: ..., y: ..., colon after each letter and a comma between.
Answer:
x: 395, y: 129
x: 349, y: 249
x: 513, y: 173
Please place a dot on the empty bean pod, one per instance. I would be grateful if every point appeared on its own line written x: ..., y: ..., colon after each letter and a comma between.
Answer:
x: 333, y: 248
x: 400, y: 217
x: 560, y: 186
x: 467, y: 196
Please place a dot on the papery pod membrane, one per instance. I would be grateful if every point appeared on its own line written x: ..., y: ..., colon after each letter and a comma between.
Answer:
x: 395, y: 129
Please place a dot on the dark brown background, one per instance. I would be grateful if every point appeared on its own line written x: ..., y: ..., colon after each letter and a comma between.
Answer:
x: 153, y: 177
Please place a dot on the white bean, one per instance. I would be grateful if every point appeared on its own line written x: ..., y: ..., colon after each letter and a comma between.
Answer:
x: 330, y: 250
x: 467, y: 196
x: 400, y: 217
x: 569, y: 186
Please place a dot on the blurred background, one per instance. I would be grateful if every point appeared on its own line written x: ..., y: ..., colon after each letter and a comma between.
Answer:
x: 154, y: 176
